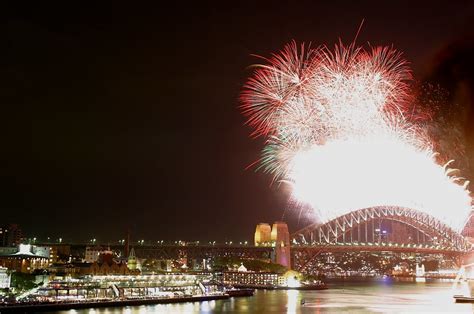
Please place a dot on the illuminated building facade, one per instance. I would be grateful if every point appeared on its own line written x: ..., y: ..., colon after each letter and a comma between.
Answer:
x: 24, y: 261
x: 109, y: 268
x: 263, y: 235
x: 92, y: 253
x: 252, y: 278
x: 113, y: 286
x: 5, y: 278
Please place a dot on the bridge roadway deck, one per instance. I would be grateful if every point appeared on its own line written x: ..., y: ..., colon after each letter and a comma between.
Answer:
x: 248, y: 251
x: 202, y: 251
x: 332, y: 248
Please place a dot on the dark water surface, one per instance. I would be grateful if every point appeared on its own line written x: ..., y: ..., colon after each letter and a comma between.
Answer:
x: 379, y: 296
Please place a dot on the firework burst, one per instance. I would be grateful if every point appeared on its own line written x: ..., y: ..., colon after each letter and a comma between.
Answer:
x: 338, y: 130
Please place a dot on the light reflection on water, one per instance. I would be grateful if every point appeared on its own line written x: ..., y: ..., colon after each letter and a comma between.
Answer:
x: 292, y: 298
x: 356, y: 297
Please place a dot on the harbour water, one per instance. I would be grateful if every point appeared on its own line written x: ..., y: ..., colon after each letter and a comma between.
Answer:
x: 374, y: 296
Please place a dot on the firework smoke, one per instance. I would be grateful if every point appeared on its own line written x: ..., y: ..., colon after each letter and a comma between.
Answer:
x: 341, y: 132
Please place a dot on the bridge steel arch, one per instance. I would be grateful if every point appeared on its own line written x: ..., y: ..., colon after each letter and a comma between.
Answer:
x: 335, y: 231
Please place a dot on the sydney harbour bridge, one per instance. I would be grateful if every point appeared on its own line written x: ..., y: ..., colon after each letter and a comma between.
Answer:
x: 381, y: 229
x: 392, y: 230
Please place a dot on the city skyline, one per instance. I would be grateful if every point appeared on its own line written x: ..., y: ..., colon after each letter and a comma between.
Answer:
x: 134, y: 115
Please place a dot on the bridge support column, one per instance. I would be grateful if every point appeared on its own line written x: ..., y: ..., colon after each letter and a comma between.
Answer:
x: 283, y: 256
x: 281, y: 237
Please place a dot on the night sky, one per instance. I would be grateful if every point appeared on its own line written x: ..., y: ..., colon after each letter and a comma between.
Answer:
x: 127, y: 117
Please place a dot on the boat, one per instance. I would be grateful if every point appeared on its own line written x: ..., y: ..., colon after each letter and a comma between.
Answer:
x: 242, y: 292
x: 463, y: 299
x: 320, y: 286
x: 309, y: 287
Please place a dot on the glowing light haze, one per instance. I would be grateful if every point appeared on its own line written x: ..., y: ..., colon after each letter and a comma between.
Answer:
x: 339, y: 132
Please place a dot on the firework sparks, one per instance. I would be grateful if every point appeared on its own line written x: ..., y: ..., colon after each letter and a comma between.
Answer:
x: 338, y: 132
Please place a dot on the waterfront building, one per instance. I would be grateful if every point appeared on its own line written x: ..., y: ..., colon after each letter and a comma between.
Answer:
x: 5, y: 278
x: 92, y: 253
x: 70, y: 269
x: 44, y: 251
x: 7, y: 250
x: 242, y: 277
x: 108, y: 264
x: 24, y: 261
x: 115, y: 287
x: 61, y: 252
x: 99, y: 268
x: 109, y: 268
x: 251, y: 278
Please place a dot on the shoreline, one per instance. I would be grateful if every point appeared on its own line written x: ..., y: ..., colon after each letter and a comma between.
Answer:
x: 266, y: 287
x: 25, y: 308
